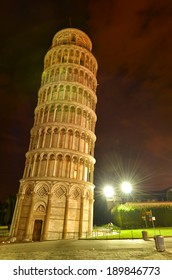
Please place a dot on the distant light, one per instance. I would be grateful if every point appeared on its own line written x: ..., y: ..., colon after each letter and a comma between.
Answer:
x: 108, y: 192
x: 126, y: 187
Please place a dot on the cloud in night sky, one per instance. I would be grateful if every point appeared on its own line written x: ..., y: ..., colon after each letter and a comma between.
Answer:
x: 132, y: 42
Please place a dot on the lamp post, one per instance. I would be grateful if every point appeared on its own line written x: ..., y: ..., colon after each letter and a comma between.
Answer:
x: 126, y: 187
x: 109, y: 193
x: 116, y: 196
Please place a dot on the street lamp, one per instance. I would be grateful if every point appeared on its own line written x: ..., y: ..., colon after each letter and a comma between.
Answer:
x: 109, y: 192
x: 126, y: 187
x: 118, y: 196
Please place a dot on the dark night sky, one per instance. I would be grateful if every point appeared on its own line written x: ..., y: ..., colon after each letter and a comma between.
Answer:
x: 132, y: 42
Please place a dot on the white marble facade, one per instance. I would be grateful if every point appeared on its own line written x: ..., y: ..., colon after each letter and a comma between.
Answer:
x: 56, y: 194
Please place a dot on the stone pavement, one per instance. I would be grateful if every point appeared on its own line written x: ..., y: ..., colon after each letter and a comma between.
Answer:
x: 136, y: 249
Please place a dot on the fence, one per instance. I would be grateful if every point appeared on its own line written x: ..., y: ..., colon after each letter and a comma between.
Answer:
x: 105, y: 233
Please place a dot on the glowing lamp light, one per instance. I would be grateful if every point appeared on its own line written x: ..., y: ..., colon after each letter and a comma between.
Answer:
x: 108, y: 192
x: 126, y: 187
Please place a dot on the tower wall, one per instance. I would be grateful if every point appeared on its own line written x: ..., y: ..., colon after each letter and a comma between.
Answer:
x: 55, y: 198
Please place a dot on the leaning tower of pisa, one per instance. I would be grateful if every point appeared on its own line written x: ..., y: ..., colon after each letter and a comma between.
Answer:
x: 56, y: 194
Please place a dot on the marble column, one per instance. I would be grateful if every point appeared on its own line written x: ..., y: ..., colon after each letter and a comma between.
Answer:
x: 65, y: 229
x: 28, y: 233
x: 90, y: 216
x: 81, y: 217
x: 47, y: 217
x: 16, y: 216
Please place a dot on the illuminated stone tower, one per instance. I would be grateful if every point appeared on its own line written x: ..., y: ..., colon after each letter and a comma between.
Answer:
x: 55, y: 198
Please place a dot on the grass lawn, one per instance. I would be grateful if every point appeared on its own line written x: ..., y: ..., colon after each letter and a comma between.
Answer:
x: 102, y: 233
x: 132, y: 233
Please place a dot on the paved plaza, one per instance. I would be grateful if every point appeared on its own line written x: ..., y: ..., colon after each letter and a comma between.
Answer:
x: 136, y: 249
